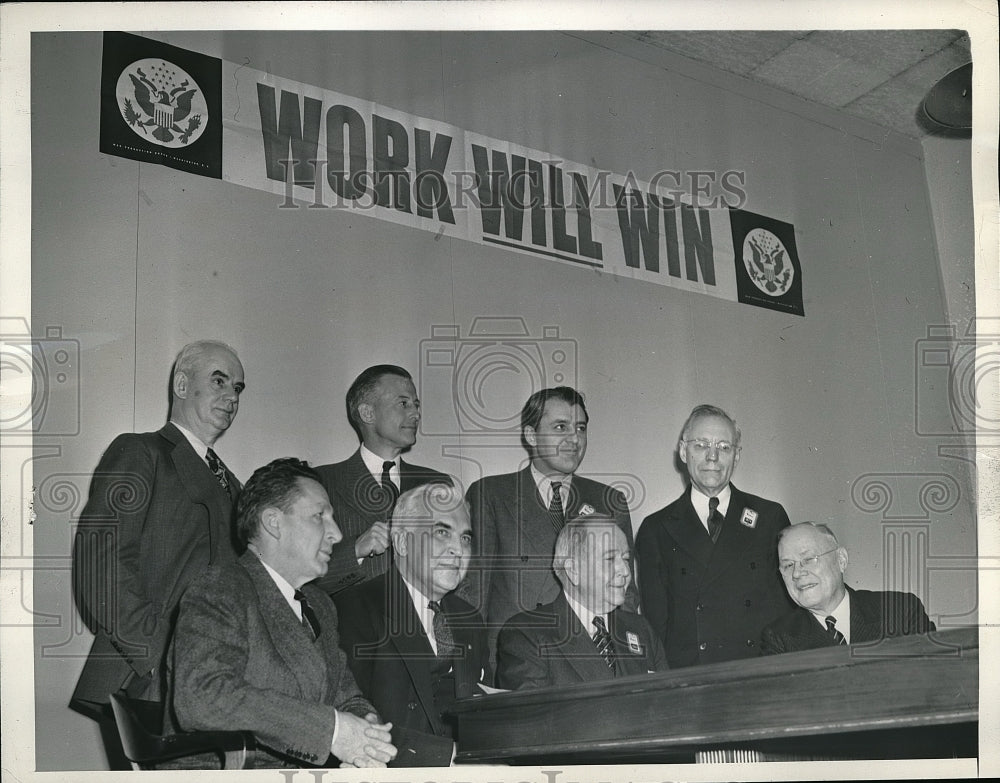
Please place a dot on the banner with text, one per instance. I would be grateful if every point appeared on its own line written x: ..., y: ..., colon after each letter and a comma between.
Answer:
x: 317, y: 148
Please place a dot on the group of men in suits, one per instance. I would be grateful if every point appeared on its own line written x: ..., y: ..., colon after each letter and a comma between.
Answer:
x: 550, y: 599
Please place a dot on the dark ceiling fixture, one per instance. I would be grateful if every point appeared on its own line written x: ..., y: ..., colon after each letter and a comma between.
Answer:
x: 947, y: 109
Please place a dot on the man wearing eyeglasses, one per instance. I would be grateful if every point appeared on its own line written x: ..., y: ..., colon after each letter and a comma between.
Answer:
x: 812, y: 563
x: 708, y: 573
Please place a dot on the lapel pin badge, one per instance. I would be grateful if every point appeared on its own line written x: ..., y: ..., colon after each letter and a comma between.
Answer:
x: 585, y: 510
x: 749, y: 518
x: 633, y: 642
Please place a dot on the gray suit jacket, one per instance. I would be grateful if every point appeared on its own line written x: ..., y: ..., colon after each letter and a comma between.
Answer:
x: 155, y: 518
x: 243, y: 660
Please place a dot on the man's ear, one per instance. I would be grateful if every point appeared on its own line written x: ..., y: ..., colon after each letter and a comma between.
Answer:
x: 270, y: 522
x: 572, y: 570
x: 530, y: 437
x: 180, y: 384
x: 681, y: 452
x: 400, y: 540
x: 366, y: 412
x: 842, y: 559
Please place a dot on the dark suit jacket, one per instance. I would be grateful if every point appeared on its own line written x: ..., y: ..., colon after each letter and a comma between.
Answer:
x: 358, y: 503
x: 243, y: 660
x: 708, y: 603
x: 515, y: 534
x: 874, y: 616
x: 156, y: 517
x: 550, y: 646
x: 394, y: 664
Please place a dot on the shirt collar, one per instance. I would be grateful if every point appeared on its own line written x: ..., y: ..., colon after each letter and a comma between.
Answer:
x: 424, y: 612
x: 585, y: 615
x: 199, y: 446
x: 842, y: 614
x: 544, y: 484
x: 374, y: 464
x: 700, y: 502
x: 283, y: 585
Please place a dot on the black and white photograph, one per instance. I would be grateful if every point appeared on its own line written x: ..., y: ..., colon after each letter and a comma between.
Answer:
x: 309, y: 311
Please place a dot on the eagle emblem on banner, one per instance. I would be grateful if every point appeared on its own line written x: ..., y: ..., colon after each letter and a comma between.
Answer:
x: 767, y: 263
x: 161, y: 103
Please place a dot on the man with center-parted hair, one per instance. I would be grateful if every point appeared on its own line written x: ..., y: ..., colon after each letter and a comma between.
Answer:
x: 585, y: 634
x: 256, y: 646
x: 708, y: 572
x: 517, y: 516
x: 415, y: 646
x: 383, y: 408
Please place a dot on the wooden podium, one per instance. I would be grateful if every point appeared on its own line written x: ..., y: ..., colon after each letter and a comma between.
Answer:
x: 909, y: 697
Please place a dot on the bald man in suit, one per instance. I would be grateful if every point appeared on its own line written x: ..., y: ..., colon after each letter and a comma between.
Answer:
x: 158, y: 514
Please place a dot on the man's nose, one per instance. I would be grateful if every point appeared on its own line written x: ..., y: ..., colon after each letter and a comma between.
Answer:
x: 333, y: 530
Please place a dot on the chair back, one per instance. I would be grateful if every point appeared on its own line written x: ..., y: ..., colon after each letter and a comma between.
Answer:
x: 138, y: 743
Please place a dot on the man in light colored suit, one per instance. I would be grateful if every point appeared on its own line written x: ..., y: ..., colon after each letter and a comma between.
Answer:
x: 384, y: 410
x: 829, y: 613
x: 584, y: 635
x: 257, y: 648
x: 415, y: 646
x: 517, y: 516
x: 158, y: 514
x: 708, y: 573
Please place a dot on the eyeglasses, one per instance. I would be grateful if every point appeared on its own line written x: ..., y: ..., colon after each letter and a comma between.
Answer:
x: 787, y: 566
x: 704, y: 446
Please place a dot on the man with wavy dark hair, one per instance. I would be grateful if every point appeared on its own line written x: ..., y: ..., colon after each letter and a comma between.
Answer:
x: 257, y: 646
x: 384, y: 409
x: 517, y: 516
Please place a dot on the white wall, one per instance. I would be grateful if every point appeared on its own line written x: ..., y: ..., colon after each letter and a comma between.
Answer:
x: 135, y: 260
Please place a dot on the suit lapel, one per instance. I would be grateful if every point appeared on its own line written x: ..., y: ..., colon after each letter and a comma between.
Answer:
x: 358, y: 489
x: 576, y: 645
x: 689, y: 533
x: 866, y: 619
x: 413, y: 647
x: 288, y: 636
x: 630, y: 661
x: 201, y: 486
x: 536, y: 525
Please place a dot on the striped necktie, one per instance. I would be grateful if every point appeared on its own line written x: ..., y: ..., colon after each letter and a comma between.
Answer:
x: 309, y: 618
x: 603, y: 641
x: 714, y: 519
x: 831, y: 628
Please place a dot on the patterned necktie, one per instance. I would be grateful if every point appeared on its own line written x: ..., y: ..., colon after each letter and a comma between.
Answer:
x: 442, y: 633
x: 714, y: 519
x: 215, y: 465
x: 831, y: 628
x: 388, y: 485
x: 603, y: 641
x: 556, y: 504
x: 309, y: 619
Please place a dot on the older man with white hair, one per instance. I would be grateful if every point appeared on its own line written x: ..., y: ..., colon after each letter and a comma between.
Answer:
x: 812, y: 562
x: 585, y: 634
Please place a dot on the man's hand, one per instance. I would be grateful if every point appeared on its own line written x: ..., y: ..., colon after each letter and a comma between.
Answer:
x: 374, y: 541
x: 363, y: 742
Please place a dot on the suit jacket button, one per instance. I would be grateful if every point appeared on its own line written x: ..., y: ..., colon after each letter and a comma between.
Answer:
x: 753, y: 566
x: 703, y: 646
x: 750, y: 643
x: 746, y: 603
x: 699, y: 607
x: 524, y: 558
x: 412, y: 705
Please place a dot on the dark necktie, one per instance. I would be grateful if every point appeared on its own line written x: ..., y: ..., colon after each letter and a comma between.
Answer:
x: 442, y: 633
x: 309, y: 619
x: 556, y: 504
x: 603, y: 641
x: 714, y: 519
x: 215, y: 465
x: 831, y: 628
x: 388, y: 485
